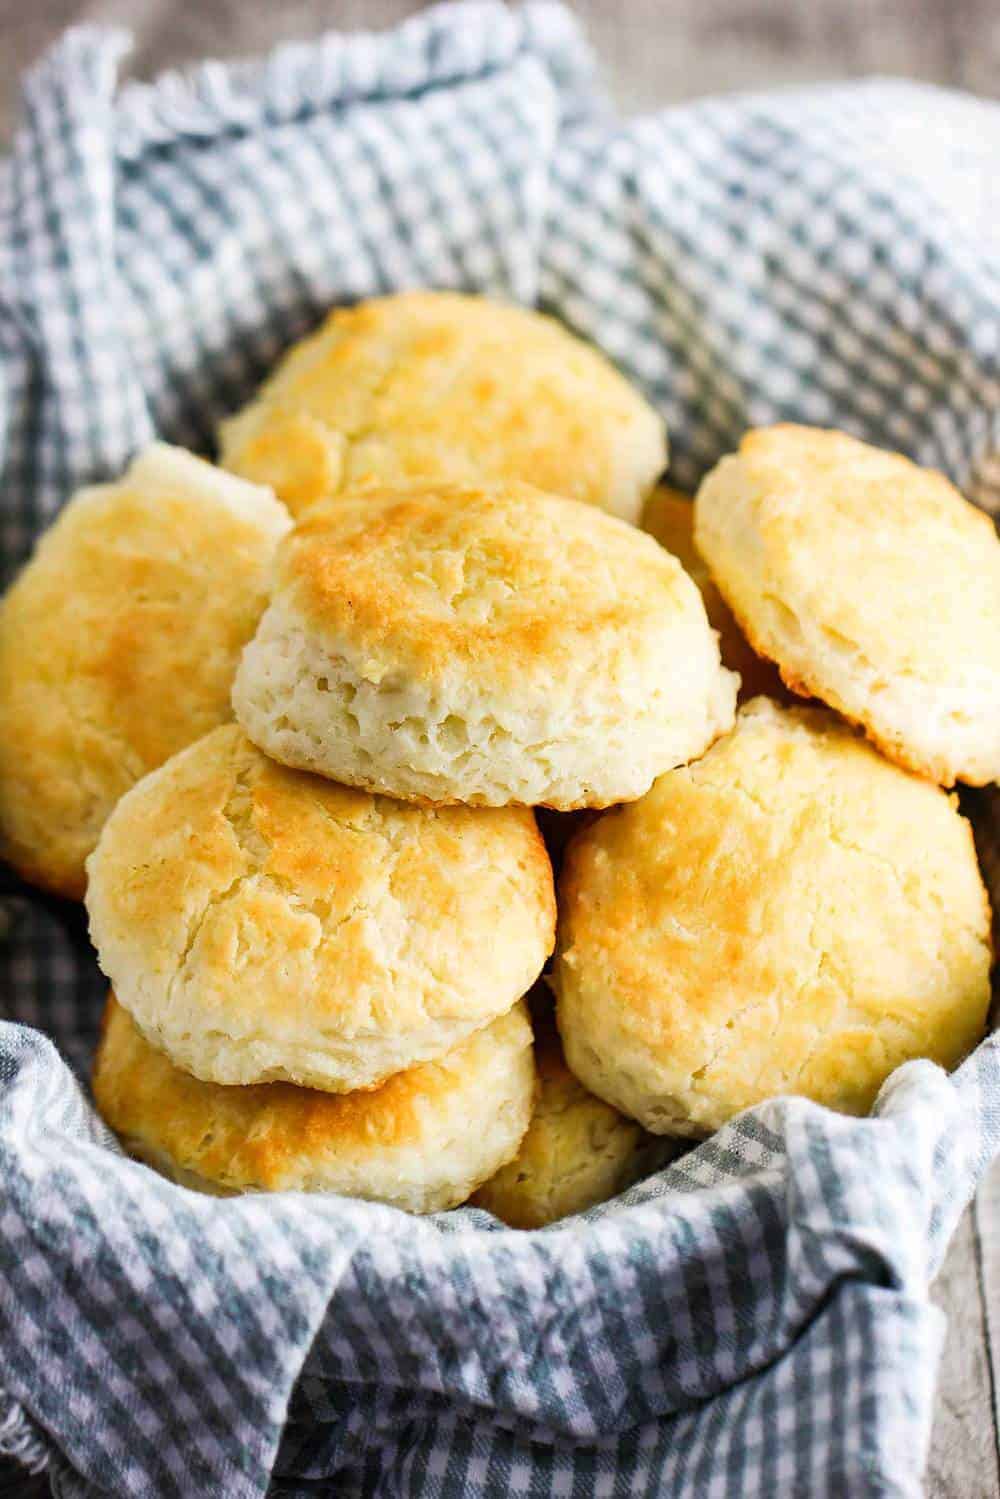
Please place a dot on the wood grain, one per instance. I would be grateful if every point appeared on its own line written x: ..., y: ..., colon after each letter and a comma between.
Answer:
x: 963, y: 1462
x: 653, y: 52
x: 656, y: 53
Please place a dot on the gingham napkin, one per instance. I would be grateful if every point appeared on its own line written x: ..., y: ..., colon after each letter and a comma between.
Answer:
x: 755, y: 1320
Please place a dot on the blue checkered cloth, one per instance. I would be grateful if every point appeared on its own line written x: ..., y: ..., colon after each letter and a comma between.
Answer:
x: 755, y: 1319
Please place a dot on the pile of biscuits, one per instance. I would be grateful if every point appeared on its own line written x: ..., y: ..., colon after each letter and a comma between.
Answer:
x: 285, y: 722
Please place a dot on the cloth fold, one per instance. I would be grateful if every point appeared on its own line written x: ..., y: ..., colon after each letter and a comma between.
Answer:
x: 754, y: 1319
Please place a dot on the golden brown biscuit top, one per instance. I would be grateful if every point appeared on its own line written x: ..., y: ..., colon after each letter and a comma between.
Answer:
x: 270, y: 1134
x: 501, y: 577
x: 303, y: 905
x: 433, y: 385
x: 790, y: 881
x: 885, y: 554
x: 118, y: 645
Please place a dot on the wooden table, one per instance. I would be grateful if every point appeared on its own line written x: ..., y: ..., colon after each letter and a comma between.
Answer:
x: 656, y: 52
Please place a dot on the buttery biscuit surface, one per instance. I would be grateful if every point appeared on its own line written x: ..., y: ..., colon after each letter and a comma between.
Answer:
x: 407, y: 1143
x: 791, y: 914
x: 426, y: 386
x: 118, y: 645
x: 260, y: 924
x: 871, y: 583
x: 489, y: 645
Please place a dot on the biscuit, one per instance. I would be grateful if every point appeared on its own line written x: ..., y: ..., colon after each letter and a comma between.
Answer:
x: 488, y: 645
x: 578, y: 1150
x: 792, y: 914
x: 263, y: 925
x: 406, y: 1143
x: 874, y: 586
x: 118, y: 645
x: 669, y: 517
x: 426, y: 386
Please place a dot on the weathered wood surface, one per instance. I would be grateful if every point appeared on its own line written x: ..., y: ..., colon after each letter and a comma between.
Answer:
x: 653, y: 53
x: 964, y: 1460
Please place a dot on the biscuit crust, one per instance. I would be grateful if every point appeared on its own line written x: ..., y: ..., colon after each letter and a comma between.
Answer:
x: 406, y: 1143
x: 872, y: 584
x: 425, y: 386
x: 118, y: 645
x: 262, y: 925
x: 792, y: 914
x: 485, y: 645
